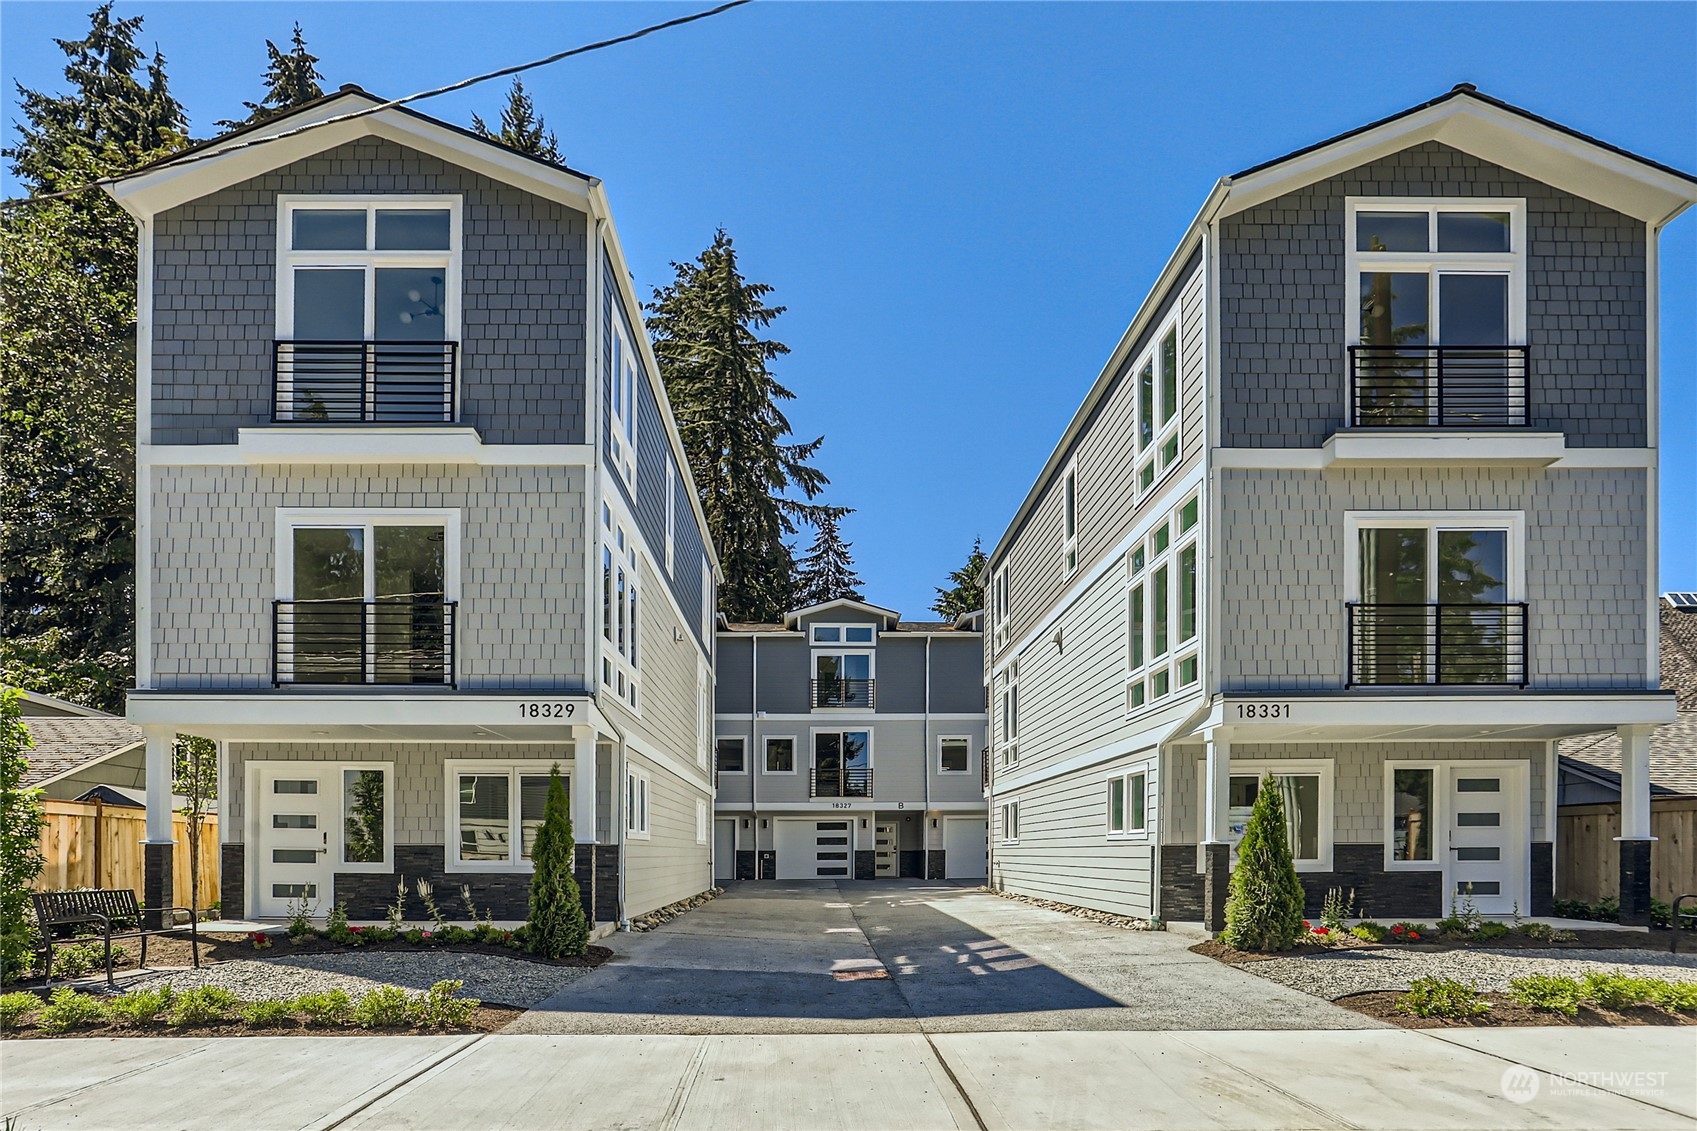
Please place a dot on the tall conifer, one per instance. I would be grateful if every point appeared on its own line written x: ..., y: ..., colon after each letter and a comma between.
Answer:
x: 522, y: 127
x: 827, y: 572
x: 966, y: 593
x: 291, y: 79
x: 706, y: 328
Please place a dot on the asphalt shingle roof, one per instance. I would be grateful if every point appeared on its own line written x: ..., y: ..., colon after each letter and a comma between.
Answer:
x: 66, y: 744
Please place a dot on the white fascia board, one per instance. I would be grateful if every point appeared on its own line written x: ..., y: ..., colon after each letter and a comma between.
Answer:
x: 1491, y: 134
x: 1391, y: 718
x: 1319, y: 459
x: 382, y: 717
x: 1370, y: 447
x: 795, y: 615
x: 354, y: 446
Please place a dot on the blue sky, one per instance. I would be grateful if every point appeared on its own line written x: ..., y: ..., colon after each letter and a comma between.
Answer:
x: 962, y: 204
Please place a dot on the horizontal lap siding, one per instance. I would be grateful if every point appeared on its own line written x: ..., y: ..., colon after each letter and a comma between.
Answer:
x: 1283, y: 583
x: 669, y: 865
x: 520, y: 617
x: 668, y: 694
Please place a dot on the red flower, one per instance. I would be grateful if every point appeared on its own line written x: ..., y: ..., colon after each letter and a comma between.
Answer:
x: 1307, y: 926
x: 1397, y: 930
x: 426, y: 934
x: 1322, y: 930
x: 1415, y: 935
x: 355, y: 930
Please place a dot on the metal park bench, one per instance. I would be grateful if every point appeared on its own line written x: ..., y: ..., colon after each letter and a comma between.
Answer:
x: 117, y: 914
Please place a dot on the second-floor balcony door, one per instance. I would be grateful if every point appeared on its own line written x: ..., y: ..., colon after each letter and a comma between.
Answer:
x: 842, y: 764
x: 842, y: 679
x: 1435, y: 608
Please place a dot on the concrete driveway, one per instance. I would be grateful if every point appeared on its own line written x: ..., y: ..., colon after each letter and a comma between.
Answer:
x: 907, y: 956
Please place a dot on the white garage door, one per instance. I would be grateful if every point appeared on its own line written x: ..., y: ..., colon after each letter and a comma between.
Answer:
x: 814, y: 850
x: 964, y: 852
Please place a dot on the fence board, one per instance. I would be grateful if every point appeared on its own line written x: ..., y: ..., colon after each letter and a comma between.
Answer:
x: 85, y: 845
x: 1588, y: 860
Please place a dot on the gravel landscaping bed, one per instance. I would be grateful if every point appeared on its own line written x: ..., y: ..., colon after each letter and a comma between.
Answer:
x: 488, y: 977
x: 1335, y: 974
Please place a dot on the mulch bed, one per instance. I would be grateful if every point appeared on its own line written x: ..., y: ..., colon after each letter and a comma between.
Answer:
x: 486, y: 1019
x: 1506, y: 1013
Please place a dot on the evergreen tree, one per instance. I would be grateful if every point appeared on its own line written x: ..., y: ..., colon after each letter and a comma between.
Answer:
x: 966, y: 591
x: 67, y: 348
x: 557, y: 924
x: 522, y: 127
x: 1264, y: 899
x: 827, y: 572
x: 725, y: 400
x: 21, y: 822
x: 291, y: 79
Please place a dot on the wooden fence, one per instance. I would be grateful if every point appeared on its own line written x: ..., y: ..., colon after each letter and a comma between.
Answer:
x: 1588, y: 859
x: 88, y: 845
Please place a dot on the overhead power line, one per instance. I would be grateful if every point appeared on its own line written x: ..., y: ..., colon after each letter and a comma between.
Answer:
x: 219, y: 151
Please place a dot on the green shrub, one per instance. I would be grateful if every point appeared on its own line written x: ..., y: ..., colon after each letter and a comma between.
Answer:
x: 333, y: 1008
x: 300, y: 920
x: 380, y: 934
x: 14, y: 1007
x: 1675, y: 997
x: 1441, y: 997
x: 267, y: 1014
x: 1548, y: 991
x: 558, y: 926
x: 1490, y: 931
x: 67, y: 1009
x: 73, y: 960
x: 414, y: 936
x: 438, y: 1008
x: 201, y: 1006
x: 21, y: 822
x: 453, y: 934
x: 1336, y: 908
x: 139, y: 1007
x: 1264, y: 902
x: 1619, y: 991
x: 1370, y: 932
x: 382, y: 1008
x: 490, y: 933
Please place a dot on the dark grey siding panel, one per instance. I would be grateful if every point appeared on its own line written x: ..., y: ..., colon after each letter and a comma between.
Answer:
x: 215, y: 278
x: 732, y: 671
x: 1284, y: 304
x: 901, y: 674
x: 957, y: 675
x: 784, y: 674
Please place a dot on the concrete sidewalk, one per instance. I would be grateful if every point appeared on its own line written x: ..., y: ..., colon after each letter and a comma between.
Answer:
x: 1215, y: 1079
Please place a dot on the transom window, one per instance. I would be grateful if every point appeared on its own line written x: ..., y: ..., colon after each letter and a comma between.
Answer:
x: 369, y: 269
x: 495, y: 810
x: 620, y: 628
x: 843, y: 634
x: 1162, y: 638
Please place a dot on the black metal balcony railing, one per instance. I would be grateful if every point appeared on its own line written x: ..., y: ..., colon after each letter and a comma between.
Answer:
x: 844, y: 693
x: 1413, y: 645
x: 984, y: 770
x: 364, y: 382
x: 854, y: 781
x: 1439, y: 387
x: 362, y: 642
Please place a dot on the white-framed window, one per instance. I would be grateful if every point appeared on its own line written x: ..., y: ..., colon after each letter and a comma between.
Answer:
x: 368, y: 268
x: 703, y: 712
x: 954, y: 754
x: 494, y: 811
x: 620, y: 628
x: 1163, y: 654
x: 623, y: 404
x: 1009, y: 812
x: 1156, y: 373
x: 671, y: 514
x: 843, y: 634
x: 1007, y: 730
x: 999, y: 607
x: 780, y: 754
x: 1306, y: 787
x: 1069, y: 519
x: 706, y: 602
x: 636, y: 804
x: 731, y: 755
x: 368, y: 817
x: 1413, y: 820
x: 1128, y: 803
x: 701, y: 821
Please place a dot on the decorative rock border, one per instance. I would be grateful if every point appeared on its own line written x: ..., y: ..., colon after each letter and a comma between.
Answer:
x: 1106, y: 918
x: 671, y: 911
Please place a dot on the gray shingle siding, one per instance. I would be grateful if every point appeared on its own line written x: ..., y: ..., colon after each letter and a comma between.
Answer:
x: 1284, y: 304
x: 215, y: 269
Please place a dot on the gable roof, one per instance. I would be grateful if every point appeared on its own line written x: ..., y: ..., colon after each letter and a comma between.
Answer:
x: 36, y: 705
x: 1673, y: 756
x: 889, y: 616
x: 65, y: 745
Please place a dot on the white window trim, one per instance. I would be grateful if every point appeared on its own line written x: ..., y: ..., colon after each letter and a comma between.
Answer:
x: 671, y: 514
x: 1512, y: 521
x: 813, y: 742
x: 639, y: 804
x: 1008, y: 807
x: 289, y: 519
x: 623, y: 366
x: 617, y: 527
x: 1144, y: 770
x: 1069, y: 520
x: 387, y: 864
x: 842, y: 645
x: 706, y: 602
x: 1150, y: 453
x: 703, y: 713
x: 999, y: 607
x: 1178, y: 650
x: 513, y: 768
x: 703, y: 823
x: 1326, y: 768
x: 795, y: 754
x: 1007, y: 736
x: 943, y: 738
x: 1512, y: 262
x: 1517, y: 813
x: 451, y: 261
x: 741, y: 738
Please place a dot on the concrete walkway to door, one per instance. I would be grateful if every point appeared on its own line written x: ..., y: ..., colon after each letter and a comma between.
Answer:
x: 817, y: 956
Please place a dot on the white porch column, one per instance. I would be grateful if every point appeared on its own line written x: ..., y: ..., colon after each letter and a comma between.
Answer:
x: 159, y: 750
x: 1218, y: 785
x: 583, y: 785
x: 1635, y: 782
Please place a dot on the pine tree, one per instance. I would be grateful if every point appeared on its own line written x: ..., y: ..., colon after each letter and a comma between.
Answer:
x: 827, y: 572
x: 1264, y: 899
x: 726, y: 403
x: 522, y: 127
x: 966, y: 591
x: 557, y: 924
x: 291, y: 79
x: 67, y: 341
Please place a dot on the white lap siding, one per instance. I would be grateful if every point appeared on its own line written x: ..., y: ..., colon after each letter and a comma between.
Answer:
x: 669, y: 864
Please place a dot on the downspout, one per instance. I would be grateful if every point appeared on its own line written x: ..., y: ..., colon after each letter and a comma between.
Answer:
x: 754, y: 744
x: 925, y: 734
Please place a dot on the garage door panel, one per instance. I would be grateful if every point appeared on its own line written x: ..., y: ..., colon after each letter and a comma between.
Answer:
x: 814, y: 850
x: 965, y: 853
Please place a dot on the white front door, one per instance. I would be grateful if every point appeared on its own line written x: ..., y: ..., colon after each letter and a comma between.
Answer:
x: 725, y: 849
x: 297, y: 807
x: 888, y: 858
x: 1487, y: 838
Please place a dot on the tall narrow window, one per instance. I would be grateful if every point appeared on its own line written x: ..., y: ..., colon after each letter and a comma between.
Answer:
x: 1187, y: 593
x: 622, y: 372
x: 671, y: 513
x: 1159, y: 598
x: 1169, y: 376
x: 1070, y: 520
x: 620, y: 626
x: 1146, y: 406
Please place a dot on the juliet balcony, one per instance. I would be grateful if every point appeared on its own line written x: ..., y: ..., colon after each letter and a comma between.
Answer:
x: 342, y: 642
x: 861, y: 693
x: 840, y: 781
x: 348, y: 382
x: 1409, y: 645
x: 1439, y: 387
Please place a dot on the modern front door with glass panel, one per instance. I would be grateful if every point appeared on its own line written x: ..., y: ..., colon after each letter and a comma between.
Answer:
x: 297, y: 810
x: 369, y: 605
x: 1469, y: 821
x: 888, y: 860
x: 1435, y: 608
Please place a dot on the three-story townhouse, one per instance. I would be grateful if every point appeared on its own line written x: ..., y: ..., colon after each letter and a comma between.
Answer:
x: 1364, y: 504
x: 414, y: 524
x: 849, y: 746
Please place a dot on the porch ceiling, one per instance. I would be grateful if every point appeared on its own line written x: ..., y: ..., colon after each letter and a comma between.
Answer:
x: 394, y: 717
x: 1298, y: 717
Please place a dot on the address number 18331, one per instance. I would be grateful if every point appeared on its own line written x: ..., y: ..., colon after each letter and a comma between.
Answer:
x: 1263, y: 710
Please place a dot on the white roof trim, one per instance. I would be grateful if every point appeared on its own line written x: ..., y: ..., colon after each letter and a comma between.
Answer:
x: 794, y: 616
x: 81, y: 766
x: 71, y: 709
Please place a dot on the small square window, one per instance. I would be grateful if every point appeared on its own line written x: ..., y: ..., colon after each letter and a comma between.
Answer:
x: 1163, y: 536
x: 1137, y: 560
x: 780, y: 755
x: 956, y: 755
x: 1187, y: 671
x: 1159, y: 684
x: 728, y: 758
x: 1135, y: 695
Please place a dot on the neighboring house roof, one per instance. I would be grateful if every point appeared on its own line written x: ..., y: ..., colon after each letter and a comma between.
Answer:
x: 35, y: 704
x: 1679, y: 654
x: 1673, y: 756
x: 65, y: 745
x: 892, y: 622
x: 112, y: 795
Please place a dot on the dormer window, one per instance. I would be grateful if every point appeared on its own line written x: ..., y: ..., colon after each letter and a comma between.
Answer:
x: 843, y: 634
